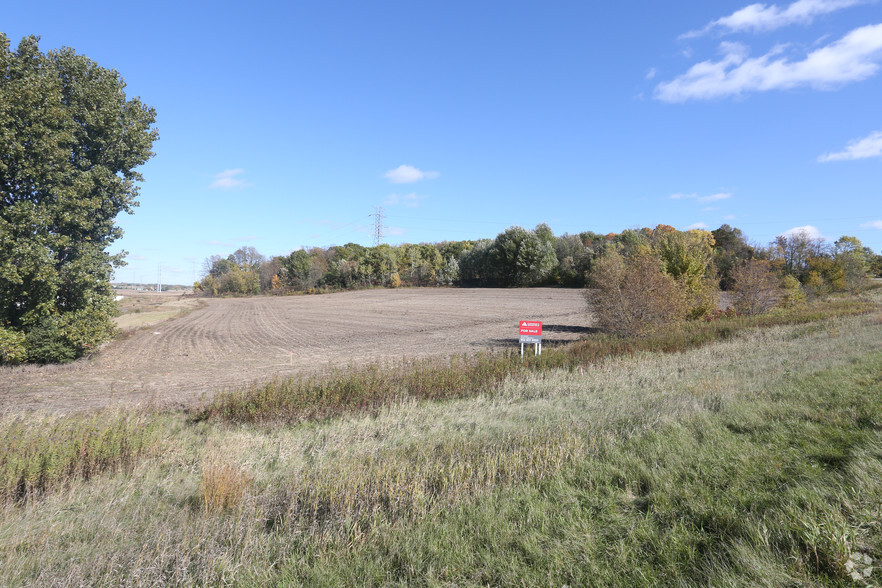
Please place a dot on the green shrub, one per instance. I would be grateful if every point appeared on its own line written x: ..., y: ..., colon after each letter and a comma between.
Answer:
x: 86, y: 329
x: 13, y: 347
x: 793, y: 293
x: 46, y: 344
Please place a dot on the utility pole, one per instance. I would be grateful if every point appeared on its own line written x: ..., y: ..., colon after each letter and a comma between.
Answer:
x: 159, y: 283
x: 378, y: 225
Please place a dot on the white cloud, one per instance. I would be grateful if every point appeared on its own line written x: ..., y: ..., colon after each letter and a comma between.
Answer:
x: 711, y: 198
x: 872, y: 225
x: 651, y: 73
x: 760, y: 17
x: 227, y: 180
x: 808, y: 230
x: 696, y: 226
x: 406, y: 174
x: 411, y: 200
x: 870, y: 146
x: 715, y: 197
x: 853, y: 58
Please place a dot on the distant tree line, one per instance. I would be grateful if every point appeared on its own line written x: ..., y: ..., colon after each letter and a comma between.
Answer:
x: 700, y: 263
x: 517, y: 257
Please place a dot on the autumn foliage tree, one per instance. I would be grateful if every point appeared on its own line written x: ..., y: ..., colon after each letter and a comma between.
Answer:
x: 70, y: 141
x: 632, y: 295
x: 687, y: 256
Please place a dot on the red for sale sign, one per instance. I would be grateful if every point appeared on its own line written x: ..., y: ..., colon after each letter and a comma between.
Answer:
x: 530, y: 328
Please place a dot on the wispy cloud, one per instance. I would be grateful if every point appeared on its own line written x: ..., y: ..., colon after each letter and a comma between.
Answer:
x: 406, y: 174
x: 704, y: 199
x: 870, y: 146
x: 715, y: 197
x: 227, y: 180
x: 877, y: 224
x: 694, y: 226
x: 411, y: 200
x: 852, y: 58
x: 760, y: 17
x: 651, y: 73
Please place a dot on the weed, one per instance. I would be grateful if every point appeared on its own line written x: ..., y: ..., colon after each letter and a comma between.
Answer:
x: 42, y: 454
x: 222, y: 486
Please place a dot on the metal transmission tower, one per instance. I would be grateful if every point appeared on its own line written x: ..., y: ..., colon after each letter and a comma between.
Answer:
x: 378, y: 225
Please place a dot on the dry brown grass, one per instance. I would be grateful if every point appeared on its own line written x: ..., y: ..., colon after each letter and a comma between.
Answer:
x: 222, y: 486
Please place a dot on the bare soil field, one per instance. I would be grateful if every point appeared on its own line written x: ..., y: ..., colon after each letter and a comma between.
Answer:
x: 178, y: 349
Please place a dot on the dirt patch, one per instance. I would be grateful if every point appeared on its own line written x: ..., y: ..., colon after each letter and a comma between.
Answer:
x: 230, y: 342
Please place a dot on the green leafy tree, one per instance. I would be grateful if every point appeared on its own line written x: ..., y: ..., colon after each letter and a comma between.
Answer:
x: 239, y: 273
x: 70, y: 141
x: 474, y: 264
x: 876, y: 265
x: 297, y: 270
x: 448, y: 274
x: 688, y: 258
x: 851, y: 256
x: 521, y: 258
x: 730, y: 250
x: 573, y: 260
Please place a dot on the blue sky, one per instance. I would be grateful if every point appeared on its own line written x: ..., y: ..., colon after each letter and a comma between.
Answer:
x: 284, y: 124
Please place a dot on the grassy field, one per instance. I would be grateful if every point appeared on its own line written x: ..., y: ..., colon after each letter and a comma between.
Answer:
x: 754, y: 460
x: 144, y: 309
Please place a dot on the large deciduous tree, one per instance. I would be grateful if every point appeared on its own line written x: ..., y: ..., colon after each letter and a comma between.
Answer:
x: 70, y: 141
x: 523, y: 258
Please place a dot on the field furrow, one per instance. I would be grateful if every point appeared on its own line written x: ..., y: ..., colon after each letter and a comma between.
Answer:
x: 230, y: 342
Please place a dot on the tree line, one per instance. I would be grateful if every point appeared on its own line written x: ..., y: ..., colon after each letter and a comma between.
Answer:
x: 699, y: 262
x: 517, y: 257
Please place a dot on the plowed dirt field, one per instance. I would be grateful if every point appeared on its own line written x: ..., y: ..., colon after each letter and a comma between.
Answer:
x: 231, y: 342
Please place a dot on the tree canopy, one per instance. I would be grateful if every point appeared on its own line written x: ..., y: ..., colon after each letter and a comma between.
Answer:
x: 70, y: 141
